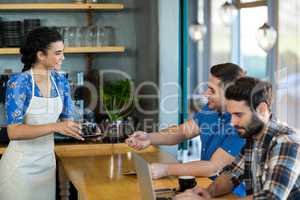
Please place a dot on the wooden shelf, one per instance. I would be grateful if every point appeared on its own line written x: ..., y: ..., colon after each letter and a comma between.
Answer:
x: 106, y: 6
x: 60, y: 6
x: 108, y: 49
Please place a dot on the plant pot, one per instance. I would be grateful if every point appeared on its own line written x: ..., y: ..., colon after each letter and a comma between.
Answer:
x: 118, y: 131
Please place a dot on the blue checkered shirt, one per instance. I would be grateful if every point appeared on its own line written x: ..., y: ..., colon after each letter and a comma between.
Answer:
x: 270, y: 166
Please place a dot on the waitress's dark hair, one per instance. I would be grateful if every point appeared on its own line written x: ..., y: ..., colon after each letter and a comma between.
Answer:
x: 38, y: 39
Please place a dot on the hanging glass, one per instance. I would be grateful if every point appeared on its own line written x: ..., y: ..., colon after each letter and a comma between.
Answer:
x: 197, y: 31
x: 266, y: 37
x: 228, y: 13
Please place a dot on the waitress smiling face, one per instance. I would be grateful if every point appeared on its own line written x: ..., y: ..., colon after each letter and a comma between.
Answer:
x: 52, y: 57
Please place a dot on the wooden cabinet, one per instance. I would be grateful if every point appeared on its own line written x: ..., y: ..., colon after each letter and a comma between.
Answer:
x: 89, y: 8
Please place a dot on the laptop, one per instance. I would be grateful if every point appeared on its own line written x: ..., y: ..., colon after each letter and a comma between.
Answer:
x: 147, y: 191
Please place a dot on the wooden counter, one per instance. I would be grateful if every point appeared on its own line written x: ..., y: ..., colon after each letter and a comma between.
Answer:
x: 78, y: 149
x: 100, y: 176
x: 96, y: 171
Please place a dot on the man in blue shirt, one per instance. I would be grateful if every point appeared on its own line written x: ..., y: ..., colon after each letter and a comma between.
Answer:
x: 220, y: 142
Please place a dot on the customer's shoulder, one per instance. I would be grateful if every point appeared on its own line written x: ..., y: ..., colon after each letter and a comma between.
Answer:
x: 286, y: 133
x: 289, y: 136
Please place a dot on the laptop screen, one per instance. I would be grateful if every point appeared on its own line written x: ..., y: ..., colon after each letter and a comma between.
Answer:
x: 144, y: 178
x: 147, y: 191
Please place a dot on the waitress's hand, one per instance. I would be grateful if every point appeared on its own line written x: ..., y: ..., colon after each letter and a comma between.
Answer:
x: 69, y: 128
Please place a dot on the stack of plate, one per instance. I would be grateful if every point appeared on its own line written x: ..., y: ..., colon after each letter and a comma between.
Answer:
x: 79, y: 1
x: 12, y: 33
x: 1, y: 44
x: 30, y: 24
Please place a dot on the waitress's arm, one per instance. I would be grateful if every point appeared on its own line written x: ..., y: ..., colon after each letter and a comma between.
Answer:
x: 24, y: 131
x: 189, y: 129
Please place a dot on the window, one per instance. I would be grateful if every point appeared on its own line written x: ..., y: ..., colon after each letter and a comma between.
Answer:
x: 252, y: 58
x: 220, y: 36
x: 288, y: 70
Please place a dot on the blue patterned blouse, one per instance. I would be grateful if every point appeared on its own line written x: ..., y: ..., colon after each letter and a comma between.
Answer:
x: 19, y: 94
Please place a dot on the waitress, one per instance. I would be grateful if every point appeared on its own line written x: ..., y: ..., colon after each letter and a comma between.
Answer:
x: 35, y: 100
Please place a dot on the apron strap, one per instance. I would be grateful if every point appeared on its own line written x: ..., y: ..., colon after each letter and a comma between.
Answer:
x: 32, y: 80
x: 54, y: 84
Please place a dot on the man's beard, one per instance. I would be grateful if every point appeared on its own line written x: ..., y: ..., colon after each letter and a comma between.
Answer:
x: 254, y: 127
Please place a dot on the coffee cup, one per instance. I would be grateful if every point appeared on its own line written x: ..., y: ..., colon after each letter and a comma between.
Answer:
x: 186, y: 182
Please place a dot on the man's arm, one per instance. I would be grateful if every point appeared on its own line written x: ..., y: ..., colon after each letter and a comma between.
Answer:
x: 218, y: 161
x: 170, y: 136
x: 200, y: 194
x: 175, y: 134
x: 222, y: 185
x: 223, y: 155
x: 247, y: 198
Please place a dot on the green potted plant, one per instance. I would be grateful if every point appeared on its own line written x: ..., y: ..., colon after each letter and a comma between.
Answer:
x: 118, y: 102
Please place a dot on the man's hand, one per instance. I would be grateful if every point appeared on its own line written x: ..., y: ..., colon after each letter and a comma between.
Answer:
x: 139, y: 140
x: 159, y: 170
x: 194, y: 194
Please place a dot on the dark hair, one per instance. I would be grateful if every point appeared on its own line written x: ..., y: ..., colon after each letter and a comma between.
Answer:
x: 227, y: 72
x: 36, y: 40
x: 251, y: 90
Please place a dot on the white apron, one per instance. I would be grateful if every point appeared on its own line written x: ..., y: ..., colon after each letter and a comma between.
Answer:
x: 27, y: 167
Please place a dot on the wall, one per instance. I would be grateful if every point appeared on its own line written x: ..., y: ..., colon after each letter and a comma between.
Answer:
x: 168, y: 64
